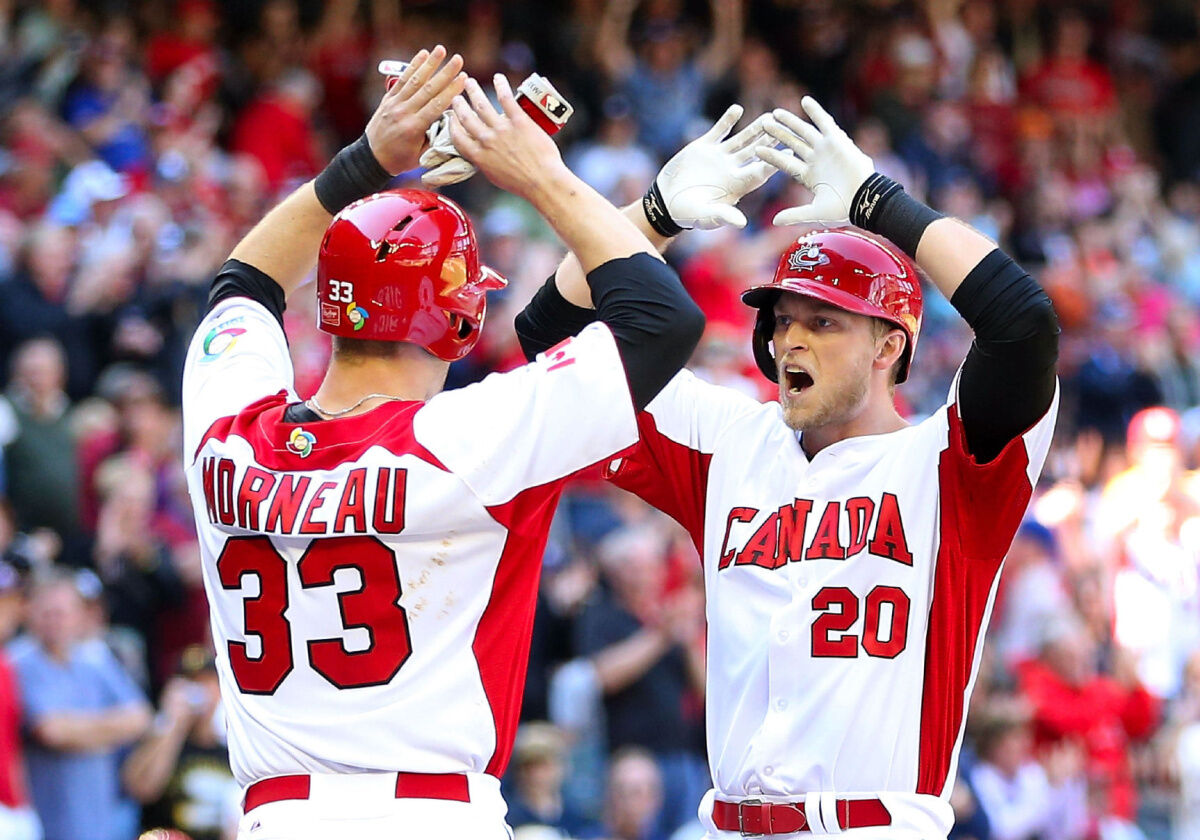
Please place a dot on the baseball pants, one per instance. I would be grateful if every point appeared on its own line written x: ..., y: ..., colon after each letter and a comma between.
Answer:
x: 365, y: 806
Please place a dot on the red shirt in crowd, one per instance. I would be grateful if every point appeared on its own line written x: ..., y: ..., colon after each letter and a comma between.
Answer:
x: 12, y: 774
x: 1102, y: 715
x: 1073, y: 87
x: 280, y: 138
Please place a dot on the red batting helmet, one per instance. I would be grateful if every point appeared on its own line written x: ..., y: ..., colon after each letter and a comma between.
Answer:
x: 403, y: 265
x: 849, y: 269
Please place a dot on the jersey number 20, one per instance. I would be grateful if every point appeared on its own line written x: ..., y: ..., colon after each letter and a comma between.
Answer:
x: 373, y: 606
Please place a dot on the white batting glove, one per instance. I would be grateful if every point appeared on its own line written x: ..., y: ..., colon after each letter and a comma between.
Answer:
x: 442, y: 161
x: 701, y: 184
x: 826, y: 161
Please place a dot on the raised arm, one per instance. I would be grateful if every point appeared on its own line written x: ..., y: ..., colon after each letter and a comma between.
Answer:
x: 611, y: 45
x: 725, y: 42
x: 1008, y: 378
x: 697, y: 188
x: 655, y: 324
x: 284, y: 245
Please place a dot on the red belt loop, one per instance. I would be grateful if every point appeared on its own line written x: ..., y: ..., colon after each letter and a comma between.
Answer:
x: 755, y: 818
x: 451, y: 787
x: 276, y: 789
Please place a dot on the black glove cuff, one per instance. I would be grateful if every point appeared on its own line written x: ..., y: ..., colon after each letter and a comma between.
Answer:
x: 655, y: 208
x: 882, y: 206
x: 353, y: 173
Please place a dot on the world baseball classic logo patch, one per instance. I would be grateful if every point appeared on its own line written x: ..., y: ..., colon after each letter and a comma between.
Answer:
x: 301, y: 442
x: 220, y: 339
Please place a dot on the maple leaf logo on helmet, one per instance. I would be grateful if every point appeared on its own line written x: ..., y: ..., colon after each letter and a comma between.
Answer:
x: 807, y: 258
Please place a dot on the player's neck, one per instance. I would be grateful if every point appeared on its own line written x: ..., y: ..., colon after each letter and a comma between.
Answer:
x: 877, y: 417
x: 348, y: 381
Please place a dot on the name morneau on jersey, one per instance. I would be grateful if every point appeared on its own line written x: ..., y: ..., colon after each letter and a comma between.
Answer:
x: 372, y: 578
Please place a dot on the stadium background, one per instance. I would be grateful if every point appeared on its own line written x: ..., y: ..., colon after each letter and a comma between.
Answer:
x: 139, y: 140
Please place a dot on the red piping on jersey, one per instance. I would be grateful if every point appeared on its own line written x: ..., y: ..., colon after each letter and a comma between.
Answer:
x: 981, y: 509
x: 668, y: 475
x: 338, y: 441
x: 502, y: 637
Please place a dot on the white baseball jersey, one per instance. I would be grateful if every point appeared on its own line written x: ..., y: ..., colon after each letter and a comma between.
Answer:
x: 846, y: 594
x: 372, y: 578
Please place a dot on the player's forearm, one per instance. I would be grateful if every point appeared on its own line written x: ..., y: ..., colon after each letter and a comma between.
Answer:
x: 285, y: 243
x: 570, y: 277
x: 593, y: 230
x: 949, y: 250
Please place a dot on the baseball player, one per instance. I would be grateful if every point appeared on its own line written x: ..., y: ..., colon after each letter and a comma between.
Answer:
x: 850, y: 559
x: 371, y: 555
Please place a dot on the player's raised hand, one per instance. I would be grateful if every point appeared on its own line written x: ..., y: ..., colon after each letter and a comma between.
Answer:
x: 396, y: 131
x: 826, y: 161
x: 507, y: 145
x: 703, y: 182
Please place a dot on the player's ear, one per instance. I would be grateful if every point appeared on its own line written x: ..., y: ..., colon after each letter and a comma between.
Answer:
x: 889, y: 348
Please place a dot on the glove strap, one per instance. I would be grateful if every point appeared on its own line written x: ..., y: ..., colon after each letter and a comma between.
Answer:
x: 655, y: 208
x: 353, y: 173
x: 882, y: 206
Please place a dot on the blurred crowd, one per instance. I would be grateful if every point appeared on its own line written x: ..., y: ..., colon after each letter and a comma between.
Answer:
x: 139, y: 140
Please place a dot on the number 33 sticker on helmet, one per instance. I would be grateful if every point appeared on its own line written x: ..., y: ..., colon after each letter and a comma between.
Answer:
x: 406, y: 265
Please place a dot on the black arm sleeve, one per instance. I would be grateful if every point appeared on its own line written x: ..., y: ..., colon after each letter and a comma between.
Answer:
x: 549, y: 318
x: 655, y: 323
x: 238, y: 279
x: 1007, y: 380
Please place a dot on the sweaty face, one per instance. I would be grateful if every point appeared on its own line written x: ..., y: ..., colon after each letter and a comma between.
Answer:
x: 823, y: 355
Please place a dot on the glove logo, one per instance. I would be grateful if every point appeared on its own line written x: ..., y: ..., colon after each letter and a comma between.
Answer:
x: 301, y: 442
x: 357, y: 315
x: 807, y: 258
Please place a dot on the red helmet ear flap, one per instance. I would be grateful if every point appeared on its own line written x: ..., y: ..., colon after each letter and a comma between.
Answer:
x: 764, y: 331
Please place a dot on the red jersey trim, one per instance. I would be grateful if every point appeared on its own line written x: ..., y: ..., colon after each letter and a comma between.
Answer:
x: 668, y: 475
x: 334, y: 442
x: 502, y: 637
x: 981, y: 506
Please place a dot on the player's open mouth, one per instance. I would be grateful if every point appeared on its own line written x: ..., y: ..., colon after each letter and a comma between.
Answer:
x: 796, y: 379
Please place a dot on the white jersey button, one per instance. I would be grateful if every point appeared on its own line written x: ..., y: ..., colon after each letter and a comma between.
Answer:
x: 783, y: 635
x: 781, y: 704
x: 768, y: 770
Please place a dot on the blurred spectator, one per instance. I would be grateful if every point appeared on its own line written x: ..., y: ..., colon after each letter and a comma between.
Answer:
x: 1068, y: 82
x: 141, y: 582
x: 40, y: 460
x: 276, y: 129
x: 538, y: 769
x: 180, y: 770
x: 665, y: 77
x: 1032, y: 595
x: 633, y: 799
x: 190, y: 42
x: 80, y: 710
x: 37, y: 304
x: 340, y: 58
x: 1072, y: 702
x: 109, y: 102
x: 1022, y: 800
x: 18, y: 821
x: 645, y: 646
x: 1149, y: 515
x: 614, y: 162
